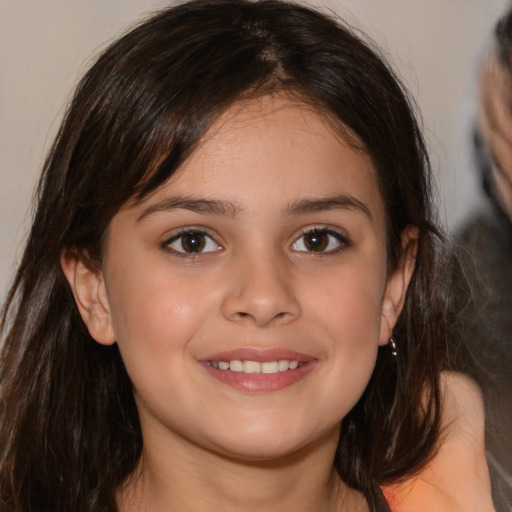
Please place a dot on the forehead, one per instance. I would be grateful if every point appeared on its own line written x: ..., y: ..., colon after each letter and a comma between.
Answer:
x: 280, y: 143
x: 268, y: 154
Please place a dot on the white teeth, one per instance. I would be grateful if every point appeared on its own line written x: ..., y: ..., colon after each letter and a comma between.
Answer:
x: 283, y: 365
x: 270, y: 367
x: 250, y: 367
x: 236, y: 366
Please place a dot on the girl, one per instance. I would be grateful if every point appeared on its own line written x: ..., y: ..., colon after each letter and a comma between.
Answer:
x: 229, y: 297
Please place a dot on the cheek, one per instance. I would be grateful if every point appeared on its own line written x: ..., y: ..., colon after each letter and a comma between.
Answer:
x: 154, y: 317
x: 347, y: 313
x: 351, y: 334
x: 154, y: 324
x: 349, y: 304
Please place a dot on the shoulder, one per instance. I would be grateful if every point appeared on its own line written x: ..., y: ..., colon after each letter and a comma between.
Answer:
x: 463, y: 409
x: 457, y: 478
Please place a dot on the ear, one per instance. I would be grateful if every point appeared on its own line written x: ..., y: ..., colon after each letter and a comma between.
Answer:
x: 88, y: 287
x: 397, y: 284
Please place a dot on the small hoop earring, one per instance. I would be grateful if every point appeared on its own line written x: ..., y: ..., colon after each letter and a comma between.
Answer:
x: 392, y: 344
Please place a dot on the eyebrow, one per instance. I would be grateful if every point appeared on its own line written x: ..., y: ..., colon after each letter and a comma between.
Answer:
x: 229, y: 209
x: 312, y: 205
x: 204, y: 206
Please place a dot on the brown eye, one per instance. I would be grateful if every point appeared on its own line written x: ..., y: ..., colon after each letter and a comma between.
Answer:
x: 316, y: 241
x: 320, y: 241
x: 192, y: 242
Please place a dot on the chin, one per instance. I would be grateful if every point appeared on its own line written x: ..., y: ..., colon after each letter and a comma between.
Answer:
x: 260, y: 446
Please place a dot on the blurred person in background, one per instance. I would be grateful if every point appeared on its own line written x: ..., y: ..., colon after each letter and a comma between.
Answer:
x: 484, y: 245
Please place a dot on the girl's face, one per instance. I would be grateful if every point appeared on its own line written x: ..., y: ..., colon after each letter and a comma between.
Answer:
x: 250, y: 293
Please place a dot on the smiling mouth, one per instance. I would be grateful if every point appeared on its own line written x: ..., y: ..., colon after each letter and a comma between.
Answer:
x: 255, y: 367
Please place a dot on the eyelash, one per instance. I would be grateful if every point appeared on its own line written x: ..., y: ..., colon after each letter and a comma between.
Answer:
x: 333, y: 236
x: 198, y: 233
x: 342, y: 242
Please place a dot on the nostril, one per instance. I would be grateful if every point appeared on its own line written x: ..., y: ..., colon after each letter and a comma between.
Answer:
x: 242, y: 315
x: 261, y: 303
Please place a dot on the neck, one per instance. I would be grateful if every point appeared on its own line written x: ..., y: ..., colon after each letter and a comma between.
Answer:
x: 171, y: 478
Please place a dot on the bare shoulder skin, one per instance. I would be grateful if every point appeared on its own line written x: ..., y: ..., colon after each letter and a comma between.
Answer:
x: 457, y: 479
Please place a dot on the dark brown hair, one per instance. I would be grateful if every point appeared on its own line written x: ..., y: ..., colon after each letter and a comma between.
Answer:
x: 69, y: 430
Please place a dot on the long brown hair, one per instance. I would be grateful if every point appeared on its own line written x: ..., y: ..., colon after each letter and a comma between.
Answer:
x: 69, y: 431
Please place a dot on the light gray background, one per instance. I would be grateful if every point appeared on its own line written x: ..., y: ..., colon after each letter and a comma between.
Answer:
x: 45, y: 46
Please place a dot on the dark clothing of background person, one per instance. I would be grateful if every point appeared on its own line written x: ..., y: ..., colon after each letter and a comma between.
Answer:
x: 484, y: 292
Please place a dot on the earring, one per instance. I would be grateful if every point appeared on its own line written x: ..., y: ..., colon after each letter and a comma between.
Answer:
x: 393, y: 347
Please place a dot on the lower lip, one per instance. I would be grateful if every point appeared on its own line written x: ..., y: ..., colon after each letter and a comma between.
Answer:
x: 260, y: 382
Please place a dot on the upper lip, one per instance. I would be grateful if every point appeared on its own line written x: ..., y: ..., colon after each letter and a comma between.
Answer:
x: 259, y: 354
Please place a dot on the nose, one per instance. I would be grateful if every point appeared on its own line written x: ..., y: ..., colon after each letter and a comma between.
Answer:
x: 261, y: 292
